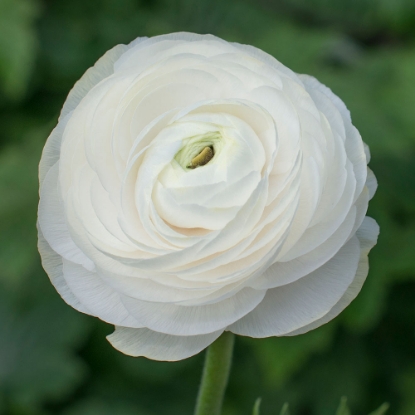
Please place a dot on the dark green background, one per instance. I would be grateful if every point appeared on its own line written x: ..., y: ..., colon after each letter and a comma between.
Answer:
x: 54, y: 360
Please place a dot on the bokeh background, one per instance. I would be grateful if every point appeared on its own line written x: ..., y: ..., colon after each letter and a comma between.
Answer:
x: 54, y: 360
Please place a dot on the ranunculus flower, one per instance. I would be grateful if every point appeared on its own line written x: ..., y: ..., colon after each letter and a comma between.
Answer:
x: 193, y: 186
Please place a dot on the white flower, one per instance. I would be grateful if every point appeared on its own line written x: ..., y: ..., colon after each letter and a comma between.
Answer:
x: 193, y: 186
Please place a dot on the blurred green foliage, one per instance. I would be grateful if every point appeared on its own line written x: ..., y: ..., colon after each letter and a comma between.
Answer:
x: 54, y: 360
x: 17, y: 45
x: 343, y: 408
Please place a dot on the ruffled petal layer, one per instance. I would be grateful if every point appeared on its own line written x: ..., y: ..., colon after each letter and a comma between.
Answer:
x: 159, y: 346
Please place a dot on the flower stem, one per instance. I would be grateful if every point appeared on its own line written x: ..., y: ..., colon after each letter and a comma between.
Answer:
x: 215, y: 375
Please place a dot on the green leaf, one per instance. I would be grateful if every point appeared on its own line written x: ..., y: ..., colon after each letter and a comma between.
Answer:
x: 343, y: 409
x: 381, y: 410
x: 285, y: 410
x: 256, y: 407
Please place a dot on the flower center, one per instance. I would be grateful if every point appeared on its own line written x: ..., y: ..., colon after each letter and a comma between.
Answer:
x: 202, y: 158
x: 199, y: 150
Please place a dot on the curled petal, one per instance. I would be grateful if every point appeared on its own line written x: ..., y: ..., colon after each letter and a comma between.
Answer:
x: 159, y: 346
x: 290, y: 307
x: 367, y: 235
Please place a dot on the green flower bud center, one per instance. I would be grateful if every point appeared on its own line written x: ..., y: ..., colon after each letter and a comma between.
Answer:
x: 203, y: 158
x: 197, y: 151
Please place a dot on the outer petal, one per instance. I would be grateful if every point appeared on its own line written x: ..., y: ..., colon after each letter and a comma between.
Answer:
x: 367, y: 234
x: 295, y: 305
x: 371, y: 183
x: 51, y: 151
x: 354, y: 145
x: 52, y: 263
x: 312, y: 83
x: 193, y: 320
x: 103, y: 68
x: 52, y: 221
x: 159, y: 346
x: 79, y: 287
x: 99, y: 298
x: 281, y: 273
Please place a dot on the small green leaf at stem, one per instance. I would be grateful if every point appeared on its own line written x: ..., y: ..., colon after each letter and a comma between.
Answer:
x: 381, y: 410
x: 256, y: 407
x: 285, y: 409
x: 343, y: 409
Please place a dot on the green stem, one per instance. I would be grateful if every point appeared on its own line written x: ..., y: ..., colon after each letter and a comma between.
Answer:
x: 215, y: 375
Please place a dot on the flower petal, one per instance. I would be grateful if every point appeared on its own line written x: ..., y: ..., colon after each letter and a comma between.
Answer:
x: 99, y: 298
x: 295, y: 305
x: 159, y: 346
x: 367, y: 235
x: 192, y: 320
x: 52, y: 264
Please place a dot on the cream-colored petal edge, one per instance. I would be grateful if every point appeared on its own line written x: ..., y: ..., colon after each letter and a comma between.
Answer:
x: 293, y: 306
x: 103, y: 68
x: 53, y: 265
x: 367, y: 235
x: 158, y: 346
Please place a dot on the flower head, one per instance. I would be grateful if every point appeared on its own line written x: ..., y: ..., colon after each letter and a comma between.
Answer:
x: 193, y: 186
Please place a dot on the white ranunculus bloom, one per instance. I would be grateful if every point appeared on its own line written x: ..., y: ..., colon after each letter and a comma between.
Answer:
x: 193, y: 186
